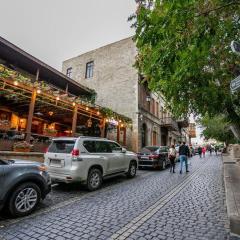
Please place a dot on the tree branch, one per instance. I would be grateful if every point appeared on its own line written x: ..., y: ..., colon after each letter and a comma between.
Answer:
x: 218, y: 8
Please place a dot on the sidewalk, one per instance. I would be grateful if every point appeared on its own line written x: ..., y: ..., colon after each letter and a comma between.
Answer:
x: 231, y: 173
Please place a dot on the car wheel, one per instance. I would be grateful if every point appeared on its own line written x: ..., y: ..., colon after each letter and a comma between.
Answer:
x: 132, y: 170
x: 163, y: 165
x: 94, y: 180
x: 24, y: 199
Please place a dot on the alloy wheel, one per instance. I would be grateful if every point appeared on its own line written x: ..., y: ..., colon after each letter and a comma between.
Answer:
x: 26, y: 199
x: 95, y: 180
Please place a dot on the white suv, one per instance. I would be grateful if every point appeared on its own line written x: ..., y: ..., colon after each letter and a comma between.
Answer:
x: 88, y: 160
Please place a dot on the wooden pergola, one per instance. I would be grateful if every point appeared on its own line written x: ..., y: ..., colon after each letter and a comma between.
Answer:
x: 35, y: 90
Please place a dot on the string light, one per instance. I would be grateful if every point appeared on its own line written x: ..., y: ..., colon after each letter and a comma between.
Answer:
x: 38, y: 91
x: 57, y: 98
x: 87, y: 108
x: 15, y: 83
x: 98, y: 112
x: 74, y: 104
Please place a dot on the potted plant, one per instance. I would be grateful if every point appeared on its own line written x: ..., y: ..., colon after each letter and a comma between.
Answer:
x: 22, y: 146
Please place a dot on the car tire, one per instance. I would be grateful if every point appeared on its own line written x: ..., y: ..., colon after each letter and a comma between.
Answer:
x: 94, y: 180
x: 132, y: 170
x: 24, y: 199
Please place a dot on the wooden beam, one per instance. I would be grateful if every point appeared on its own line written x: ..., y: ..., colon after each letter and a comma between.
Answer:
x: 74, y: 121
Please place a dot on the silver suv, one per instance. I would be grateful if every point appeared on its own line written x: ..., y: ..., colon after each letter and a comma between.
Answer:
x: 88, y: 160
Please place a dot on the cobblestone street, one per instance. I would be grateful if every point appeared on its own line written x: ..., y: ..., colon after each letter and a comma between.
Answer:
x: 154, y: 205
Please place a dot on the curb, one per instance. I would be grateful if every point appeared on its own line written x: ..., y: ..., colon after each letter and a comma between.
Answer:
x: 231, y: 174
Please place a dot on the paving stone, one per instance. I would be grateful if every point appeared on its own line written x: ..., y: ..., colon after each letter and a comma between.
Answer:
x: 198, y: 210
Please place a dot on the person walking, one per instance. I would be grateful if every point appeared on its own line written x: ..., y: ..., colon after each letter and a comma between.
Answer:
x: 183, y: 154
x: 200, y: 151
x: 210, y: 150
x: 204, y: 151
x: 172, y: 156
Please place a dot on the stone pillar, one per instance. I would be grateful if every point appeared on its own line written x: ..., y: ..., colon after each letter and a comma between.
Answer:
x: 74, y: 121
x: 30, y: 115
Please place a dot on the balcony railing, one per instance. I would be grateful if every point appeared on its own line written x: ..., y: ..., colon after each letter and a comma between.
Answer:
x: 169, y: 123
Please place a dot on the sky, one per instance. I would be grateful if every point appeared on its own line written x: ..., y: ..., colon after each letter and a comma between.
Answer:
x: 56, y: 30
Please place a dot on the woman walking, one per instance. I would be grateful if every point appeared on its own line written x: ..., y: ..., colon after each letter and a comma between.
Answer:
x: 172, y: 156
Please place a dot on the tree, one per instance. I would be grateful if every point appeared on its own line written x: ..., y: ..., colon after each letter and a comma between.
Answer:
x: 217, y: 128
x: 184, y: 53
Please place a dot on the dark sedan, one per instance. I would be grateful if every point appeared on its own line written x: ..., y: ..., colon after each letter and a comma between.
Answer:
x: 23, y: 185
x: 153, y: 157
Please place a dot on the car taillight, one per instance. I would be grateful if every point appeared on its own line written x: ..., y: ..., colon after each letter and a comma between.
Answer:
x: 75, y: 152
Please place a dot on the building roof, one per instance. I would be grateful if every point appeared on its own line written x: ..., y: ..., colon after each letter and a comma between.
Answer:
x: 21, y: 59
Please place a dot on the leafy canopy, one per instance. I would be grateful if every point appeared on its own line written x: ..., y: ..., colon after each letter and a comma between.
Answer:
x: 184, y: 53
x: 217, y: 128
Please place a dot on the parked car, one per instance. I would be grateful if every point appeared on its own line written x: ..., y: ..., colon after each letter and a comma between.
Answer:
x: 23, y: 185
x: 153, y: 157
x: 88, y: 160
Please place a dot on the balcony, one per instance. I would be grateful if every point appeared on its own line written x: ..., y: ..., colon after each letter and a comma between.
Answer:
x: 169, y: 123
x: 183, y: 123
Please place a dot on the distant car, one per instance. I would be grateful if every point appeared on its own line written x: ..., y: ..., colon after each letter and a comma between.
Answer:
x: 153, y: 157
x: 23, y: 185
x: 88, y: 160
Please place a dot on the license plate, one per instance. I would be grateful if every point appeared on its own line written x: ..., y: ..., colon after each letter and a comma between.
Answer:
x: 56, y: 163
x: 145, y: 158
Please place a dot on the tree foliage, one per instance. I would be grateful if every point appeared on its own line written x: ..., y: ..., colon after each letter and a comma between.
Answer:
x: 184, y: 52
x: 217, y: 128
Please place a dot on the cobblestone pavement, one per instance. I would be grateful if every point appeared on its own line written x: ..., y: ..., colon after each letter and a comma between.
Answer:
x: 154, y: 205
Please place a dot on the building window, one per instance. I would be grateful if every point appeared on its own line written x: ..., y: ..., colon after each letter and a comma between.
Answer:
x: 69, y: 72
x: 89, y: 69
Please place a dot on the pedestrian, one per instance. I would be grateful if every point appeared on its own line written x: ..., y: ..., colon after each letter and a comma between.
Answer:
x: 216, y: 150
x: 204, y: 151
x: 172, y: 153
x: 183, y: 154
x: 200, y: 151
x: 210, y: 150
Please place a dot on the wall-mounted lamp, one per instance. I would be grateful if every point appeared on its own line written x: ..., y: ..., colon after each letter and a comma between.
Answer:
x: 148, y: 98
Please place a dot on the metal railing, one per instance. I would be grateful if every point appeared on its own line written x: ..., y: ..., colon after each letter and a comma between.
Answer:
x: 169, y: 122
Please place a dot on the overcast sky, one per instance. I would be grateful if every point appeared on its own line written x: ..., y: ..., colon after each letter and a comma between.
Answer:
x: 55, y: 30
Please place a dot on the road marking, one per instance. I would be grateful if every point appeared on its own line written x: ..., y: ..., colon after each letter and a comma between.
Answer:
x: 6, y: 222
x: 131, y: 227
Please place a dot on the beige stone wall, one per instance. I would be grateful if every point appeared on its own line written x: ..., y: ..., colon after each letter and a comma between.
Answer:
x: 114, y: 79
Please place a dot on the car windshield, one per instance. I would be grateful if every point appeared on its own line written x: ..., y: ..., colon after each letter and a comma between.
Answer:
x: 61, y: 146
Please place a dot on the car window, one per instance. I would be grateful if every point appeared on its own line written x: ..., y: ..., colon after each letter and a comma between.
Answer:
x: 2, y: 162
x: 90, y: 146
x: 163, y: 149
x: 102, y: 147
x: 149, y: 149
x: 114, y: 146
x: 61, y: 146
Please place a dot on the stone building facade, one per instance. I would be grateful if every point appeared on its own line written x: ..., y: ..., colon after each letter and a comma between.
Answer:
x: 109, y: 71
